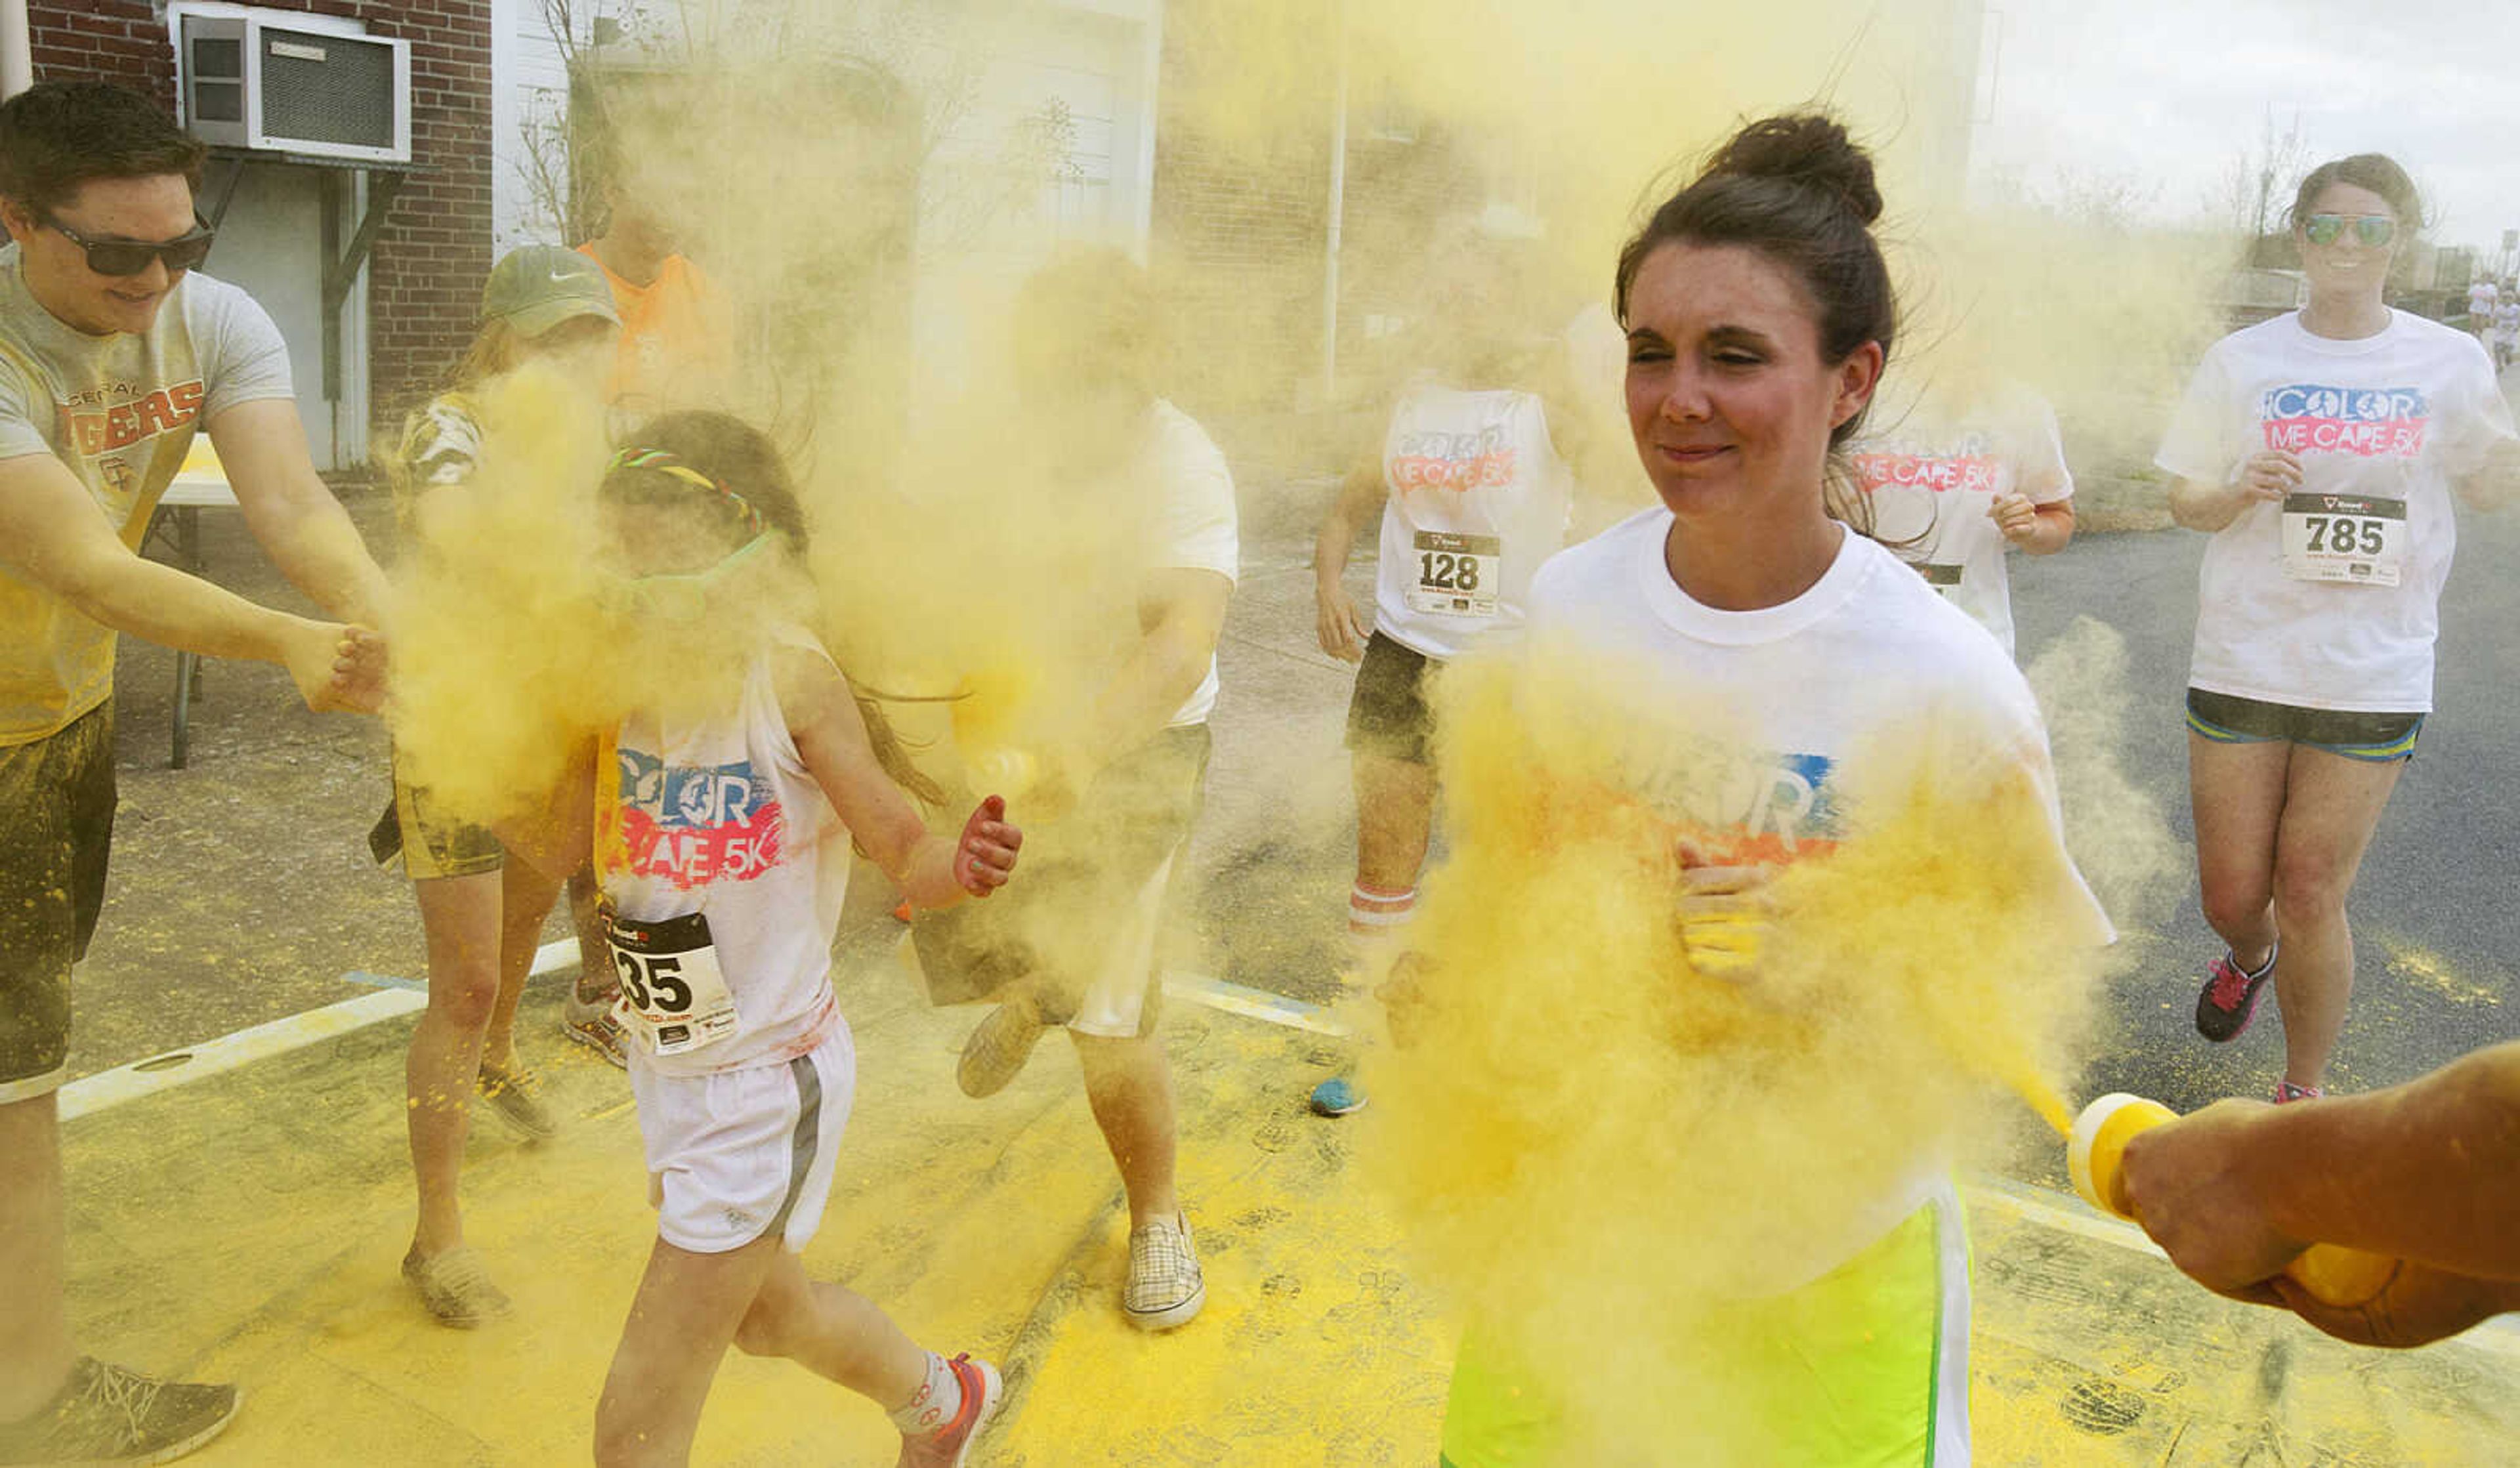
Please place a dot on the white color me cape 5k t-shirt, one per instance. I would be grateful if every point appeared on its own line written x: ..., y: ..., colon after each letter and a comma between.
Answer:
x: 1477, y: 498
x: 1809, y: 683
x: 1933, y: 471
x: 2393, y: 419
x: 720, y: 816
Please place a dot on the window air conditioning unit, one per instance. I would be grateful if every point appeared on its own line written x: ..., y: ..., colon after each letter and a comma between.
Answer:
x: 286, y: 81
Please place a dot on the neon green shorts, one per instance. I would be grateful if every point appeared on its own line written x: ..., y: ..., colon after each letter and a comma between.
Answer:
x: 1866, y: 1365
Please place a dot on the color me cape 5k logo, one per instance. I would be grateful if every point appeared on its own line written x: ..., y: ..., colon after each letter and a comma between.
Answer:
x: 1941, y: 473
x: 697, y: 824
x: 2306, y: 417
x: 1458, y: 462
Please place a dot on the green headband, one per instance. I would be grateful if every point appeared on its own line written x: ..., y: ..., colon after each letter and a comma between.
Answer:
x: 662, y: 462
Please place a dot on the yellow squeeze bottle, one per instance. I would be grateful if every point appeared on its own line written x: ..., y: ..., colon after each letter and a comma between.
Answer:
x: 2333, y: 1273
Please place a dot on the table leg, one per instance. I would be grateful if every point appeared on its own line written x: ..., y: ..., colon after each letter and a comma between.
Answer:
x: 188, y: 666
x: 187, y: 671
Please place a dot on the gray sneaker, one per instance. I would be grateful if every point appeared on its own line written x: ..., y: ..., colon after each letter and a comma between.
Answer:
x: 456, y: 1289
x: 1165, y: 1287
x: 998, y: 1046
x: 590, y: 1023
x: 516, y: 1095
x: 109, y: 1414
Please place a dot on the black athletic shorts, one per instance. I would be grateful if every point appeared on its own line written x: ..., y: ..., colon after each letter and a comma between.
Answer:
x: 1388, y: 714
x: 2374, y: 739
x: 56, y: 831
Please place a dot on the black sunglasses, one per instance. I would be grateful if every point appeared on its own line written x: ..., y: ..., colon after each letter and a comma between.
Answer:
x: 129, y: 257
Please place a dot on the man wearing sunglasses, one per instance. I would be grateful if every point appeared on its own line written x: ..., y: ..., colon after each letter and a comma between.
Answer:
x: 112, y: 354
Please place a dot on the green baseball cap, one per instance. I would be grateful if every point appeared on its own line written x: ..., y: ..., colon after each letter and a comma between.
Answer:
x: 535, y: 288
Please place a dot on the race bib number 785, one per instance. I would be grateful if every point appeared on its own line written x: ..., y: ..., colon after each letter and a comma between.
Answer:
x: 2359, y: 540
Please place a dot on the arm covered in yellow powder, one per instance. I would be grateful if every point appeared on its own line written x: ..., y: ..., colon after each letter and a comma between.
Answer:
x: 293, y: 515
x: 2428, y: 1172
x: 933, y: 871
x: 51, y: 532
x: 1180, y: 615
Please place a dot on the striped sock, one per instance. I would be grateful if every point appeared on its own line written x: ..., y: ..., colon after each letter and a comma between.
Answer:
x: 1374, y: 913
x: 935, y: 1404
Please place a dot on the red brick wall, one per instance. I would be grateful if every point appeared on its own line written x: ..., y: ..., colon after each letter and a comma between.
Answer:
x: 425, y: 278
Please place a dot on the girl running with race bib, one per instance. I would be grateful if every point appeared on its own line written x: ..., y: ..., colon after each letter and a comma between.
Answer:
x: 2320, y: 450
x: 722, y: 827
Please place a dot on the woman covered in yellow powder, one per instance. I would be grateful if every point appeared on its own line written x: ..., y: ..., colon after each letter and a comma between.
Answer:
x: 1742, y: 650
x: 482, y: 915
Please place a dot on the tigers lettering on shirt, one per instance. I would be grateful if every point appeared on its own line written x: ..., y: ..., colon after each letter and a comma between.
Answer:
x: 95, y: 433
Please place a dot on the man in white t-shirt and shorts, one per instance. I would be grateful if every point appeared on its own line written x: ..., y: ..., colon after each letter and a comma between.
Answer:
x: 113, y: 353
x: 1077, y: 944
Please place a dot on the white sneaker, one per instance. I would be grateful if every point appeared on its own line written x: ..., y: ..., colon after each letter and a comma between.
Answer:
x: 1165, y: 1287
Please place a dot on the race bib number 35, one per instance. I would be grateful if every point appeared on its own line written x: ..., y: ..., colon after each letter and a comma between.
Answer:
x: 2359, y: 539
x: 1457, y: 575
x: 674, y: 998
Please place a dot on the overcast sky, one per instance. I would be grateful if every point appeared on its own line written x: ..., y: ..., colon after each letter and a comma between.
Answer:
x: 2171, y: 91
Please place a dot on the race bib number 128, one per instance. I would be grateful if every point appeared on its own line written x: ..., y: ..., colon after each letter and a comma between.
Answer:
x: 1457, y: 575
x: 2359, y: 540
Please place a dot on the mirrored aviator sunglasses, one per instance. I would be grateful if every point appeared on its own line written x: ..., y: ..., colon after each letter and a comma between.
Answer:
x: 129, y: 257
x: 2374, y: 230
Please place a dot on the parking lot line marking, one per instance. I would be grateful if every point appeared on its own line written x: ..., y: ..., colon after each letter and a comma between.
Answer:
x: 393, y: 999
x: 214, y: 1058
x: 1252, y: 1004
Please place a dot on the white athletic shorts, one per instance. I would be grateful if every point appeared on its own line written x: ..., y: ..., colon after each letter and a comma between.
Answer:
x: 740, y: 1155
x: 1115, y: 1005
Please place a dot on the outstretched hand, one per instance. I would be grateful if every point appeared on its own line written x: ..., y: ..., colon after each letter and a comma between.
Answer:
x: 337, y: 667
x: 985, y: 856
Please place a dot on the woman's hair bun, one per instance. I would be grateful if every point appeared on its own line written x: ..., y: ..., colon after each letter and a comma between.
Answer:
x: 1806, y: 148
